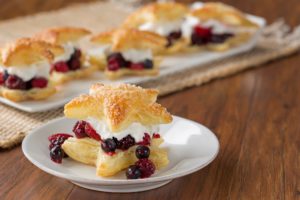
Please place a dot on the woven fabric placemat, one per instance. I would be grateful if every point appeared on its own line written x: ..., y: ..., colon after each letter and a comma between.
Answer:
x: 276, y: 41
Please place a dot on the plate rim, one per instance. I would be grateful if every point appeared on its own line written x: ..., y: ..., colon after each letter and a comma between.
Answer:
x: 112, y: 181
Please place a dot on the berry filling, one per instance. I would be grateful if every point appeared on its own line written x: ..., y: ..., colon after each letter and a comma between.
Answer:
x: 203, y: 35
x: 146, y: 140
x: 84, y: 129
x: 116, y: 61
x: 14, y: 82
x: 70, y: 65
x: 56, y: 152
x: 172, y: 37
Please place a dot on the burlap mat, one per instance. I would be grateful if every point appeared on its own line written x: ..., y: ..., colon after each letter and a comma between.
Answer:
x: 276, y: 41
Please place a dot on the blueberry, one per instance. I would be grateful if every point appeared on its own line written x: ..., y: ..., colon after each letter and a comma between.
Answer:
x: 56, y: 154
x: 109, y: 145
x: 133, y: 172
x: 142, y: 152
x: 148, y: 64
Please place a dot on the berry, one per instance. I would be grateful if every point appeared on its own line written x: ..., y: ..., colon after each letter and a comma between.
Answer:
x: 57, y: 136
x: 79, y: 129
x: 14, y: 82
x: 61, y: 67
x: 133, y: 172
x: 203, y: 31
x: 146, y: 140
x: 77, y: 53
x: 108, y: 145
x: 220, y: 38
x: 173, y: 36
x: 113, y: 65
x: 148, y: 64
x: 3, y: 77
x: 74, y: 64
x: 196, y: 40
x: 39, y: 82
x: 156, y: 135
x: 90, y: 131
x: 136, y: 66
x: 56, y: 154
x: 146, y: 166
x: 142, y: 152
x: 125, y: 143
x: 116, y: 61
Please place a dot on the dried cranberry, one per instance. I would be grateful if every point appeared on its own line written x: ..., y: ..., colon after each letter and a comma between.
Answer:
x: 133, y: 172
x: 56, y: 154
x: 108, y: 145
x: 79, y: 129
x: 146, y: 140
x: 39, y: 82
x: 90, y: 131
x: 61, y: 67
x: 142, y: 152
x: 136, y: 66
x: 125, y: 143
x: 146, y: 166
x: 14, y: 82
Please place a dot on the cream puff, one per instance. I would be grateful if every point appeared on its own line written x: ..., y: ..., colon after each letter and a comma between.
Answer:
x: 130, y: 52
x: 217, y: 27
x: 163, y: 18
x: 70, y: 65
x: 25, y: 69
x: 117, y: 128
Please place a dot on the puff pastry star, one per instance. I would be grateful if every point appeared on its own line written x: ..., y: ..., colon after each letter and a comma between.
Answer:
x: 119, y: 106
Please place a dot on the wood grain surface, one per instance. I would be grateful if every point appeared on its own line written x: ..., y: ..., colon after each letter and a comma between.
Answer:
x: 255, y: 114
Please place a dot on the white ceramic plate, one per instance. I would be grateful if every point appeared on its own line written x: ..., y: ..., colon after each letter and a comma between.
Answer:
x: 169, y: 65
x: 191, y: 147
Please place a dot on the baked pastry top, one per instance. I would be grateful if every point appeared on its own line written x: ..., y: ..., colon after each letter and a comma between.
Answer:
x: 25, y: 51
x: 223, y: 13
x: 156, y: 12
x: 127, y: 38
x: 62, y: 35
x: 119, y: 106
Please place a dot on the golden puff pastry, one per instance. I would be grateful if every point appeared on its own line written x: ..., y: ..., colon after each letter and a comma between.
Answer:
x: 119, y: 106
x: 25, y: 69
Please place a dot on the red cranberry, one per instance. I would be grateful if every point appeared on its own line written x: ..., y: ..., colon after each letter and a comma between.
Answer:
x: 136, y: 66
x: 56, y: 136
x: 90, y: 131
x: 108, y: 145
x: 113, y: 65
x: 61, y: 67
x: 156, y: 135
x: 56, y: 154
x: 146, y: 140
x: 146, y: 166
x: 202, y: 31
x: 116, y: 61
x: 133, y: 172
x: 148, y: 64
x: 142, y: 152
x: 125, y: 143
x: 79, y: 129
x: 14, y: 82
x: 39, y: 82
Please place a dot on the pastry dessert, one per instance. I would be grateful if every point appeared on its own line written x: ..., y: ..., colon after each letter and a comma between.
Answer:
x: 70, y: 65
x: 25, y: 69
x: 130, y: 52
x: 163, y: 18
x: 216, y: 26
x: 117, y: 128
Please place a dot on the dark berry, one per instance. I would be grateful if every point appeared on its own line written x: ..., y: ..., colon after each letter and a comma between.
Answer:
x: 133, y: 172
x: 156, y: 135
x: 91, y: 132
x: 136, y: 66
x: 56, y: 154
x: 126, y: 142
x: 14, y: 82
x: 113, y: 65
x: 146, y: 140
x: 220, y: 38
x: 74, y: 64
x: 148, y: 64
x: 56, y: 136
x: 79, y: 129
x: 61, y: 67
x: 172, y: 37
x: 3, y: 77
x: 77, y: 53
x: 39, y: 82
x: 108, y: 145
x: 146, y: 166
x: 115, y: 61
x: 198, y: 40
x: 142, y: 152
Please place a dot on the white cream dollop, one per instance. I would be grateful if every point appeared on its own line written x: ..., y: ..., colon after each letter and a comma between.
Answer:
x: 136, y: 56
x: 98, y: 51
x: 162, y: 28
x: 41, y: 69
x: 69, y: 49
x: 136, y: 130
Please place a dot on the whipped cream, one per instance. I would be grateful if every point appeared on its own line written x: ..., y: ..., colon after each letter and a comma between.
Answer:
x: 162, y: 28
x: 217, y: 27
x: 136, y: 130
x: 99, y: 50
x: 69, y: 49
x: 136, y: 56
x: 26, y: 73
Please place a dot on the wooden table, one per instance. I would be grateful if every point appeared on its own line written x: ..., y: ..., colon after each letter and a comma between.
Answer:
x: 255, y: 114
